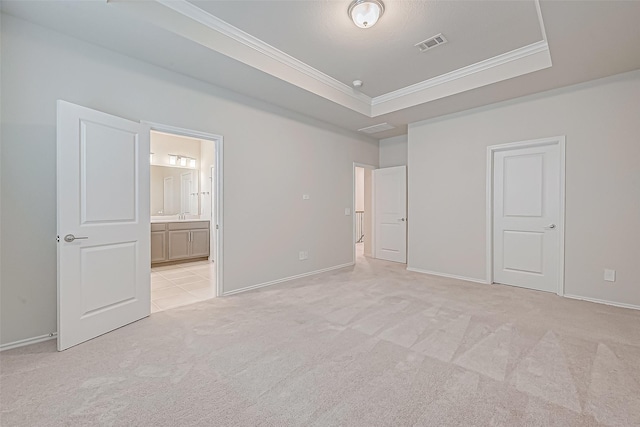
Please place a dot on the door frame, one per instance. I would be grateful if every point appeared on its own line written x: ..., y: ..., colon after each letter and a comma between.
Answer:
x: 491, y: 150
x: 218, y: 216
x: 353, y: 207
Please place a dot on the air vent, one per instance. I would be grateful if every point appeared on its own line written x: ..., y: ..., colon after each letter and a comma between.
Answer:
x: 430, y: 43
x: 377, y: 128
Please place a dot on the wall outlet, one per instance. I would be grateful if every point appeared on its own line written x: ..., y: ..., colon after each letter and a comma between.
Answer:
x: 305, y: 197
x: 302, y: 255
x: 609, y: 275
x: 347, y: 211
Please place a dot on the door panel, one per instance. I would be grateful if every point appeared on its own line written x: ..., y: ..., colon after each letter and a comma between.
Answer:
x: 178, y: 244
x: 102, y: 285
x: 108, y: 167
x: 391, y: 213
x: 523, y: 251
x: 158, y: 246
x: 526, y: 209
x: 523, y: 179
x: 200, y: 243
x: 103, y: 209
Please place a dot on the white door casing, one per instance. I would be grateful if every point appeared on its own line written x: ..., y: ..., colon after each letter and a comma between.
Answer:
x: 528, y: 223
x: 390, y: 202
x: 102, y: 200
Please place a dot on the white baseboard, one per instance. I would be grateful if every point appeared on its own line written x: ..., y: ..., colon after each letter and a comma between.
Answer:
x: 286, y: 279
x: 28, y: 341
x: 449, y: 276
x: 602, y: 301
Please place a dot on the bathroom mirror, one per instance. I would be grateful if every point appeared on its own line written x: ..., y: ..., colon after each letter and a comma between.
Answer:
x: 174, y: 191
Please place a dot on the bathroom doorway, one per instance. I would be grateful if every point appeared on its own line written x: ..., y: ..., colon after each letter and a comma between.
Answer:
x: 185, y: 195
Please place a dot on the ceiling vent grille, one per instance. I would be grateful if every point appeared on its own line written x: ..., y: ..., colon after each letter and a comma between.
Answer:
x: 430, y: 43
x: 376, y: 128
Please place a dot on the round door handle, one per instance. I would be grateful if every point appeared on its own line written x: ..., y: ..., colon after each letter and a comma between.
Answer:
x: 551, y: 226
x: 402, y: 219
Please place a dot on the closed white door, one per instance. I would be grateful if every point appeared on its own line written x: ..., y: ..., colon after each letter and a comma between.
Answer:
x: 526, y: 217
x: 390, y: 202
x: 103, y: 223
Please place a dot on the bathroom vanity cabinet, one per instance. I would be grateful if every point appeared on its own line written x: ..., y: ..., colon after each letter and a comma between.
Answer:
x: 179, y: 240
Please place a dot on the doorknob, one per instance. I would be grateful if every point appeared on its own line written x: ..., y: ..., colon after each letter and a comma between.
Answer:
x: 70, y: 238
x: 551, y: 226
x: 402, y: 219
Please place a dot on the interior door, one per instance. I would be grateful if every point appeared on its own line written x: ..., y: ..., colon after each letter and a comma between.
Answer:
x: 103, y: 223
x: 526, y: 216
x: 390, y: 202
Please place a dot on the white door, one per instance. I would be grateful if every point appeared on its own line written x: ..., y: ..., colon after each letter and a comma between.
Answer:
x: 526, y: 217
x: 103, y: 223
x: 390, y: 202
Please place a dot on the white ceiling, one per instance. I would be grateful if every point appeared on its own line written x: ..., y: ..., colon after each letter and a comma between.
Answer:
x: 586, y: 40
x: 384, y: 57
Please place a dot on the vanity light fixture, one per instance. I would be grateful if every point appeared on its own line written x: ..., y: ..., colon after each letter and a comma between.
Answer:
x: 183, y: 161
x: 365, y: 13
x: 150, y: 158
x: 192, y: 163
x: 173, y: 159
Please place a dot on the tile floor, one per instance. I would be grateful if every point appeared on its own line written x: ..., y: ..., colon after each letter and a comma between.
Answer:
x: 181, y: 284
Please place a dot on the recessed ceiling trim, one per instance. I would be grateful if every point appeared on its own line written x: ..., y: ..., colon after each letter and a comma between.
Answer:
x: 487, y: 64
x: 536, y: 60
x: 228, y: 40
x: 194, y: 12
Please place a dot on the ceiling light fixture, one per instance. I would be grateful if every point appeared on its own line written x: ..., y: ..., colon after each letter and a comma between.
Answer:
x: 365, y: 13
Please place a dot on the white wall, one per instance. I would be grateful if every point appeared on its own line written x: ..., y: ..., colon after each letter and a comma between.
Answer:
x: 393, y: 151
x: 163, y: 144
x: 360, y: 189
x: 271, y: 158
x: 601, y: 121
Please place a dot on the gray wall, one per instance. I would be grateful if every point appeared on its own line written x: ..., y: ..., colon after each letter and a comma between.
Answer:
x: 271, y: 158
x: 601, y: 121
x: 393, y: 151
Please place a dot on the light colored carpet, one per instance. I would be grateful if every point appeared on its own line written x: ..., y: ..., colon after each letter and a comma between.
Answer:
x: 364, y: 346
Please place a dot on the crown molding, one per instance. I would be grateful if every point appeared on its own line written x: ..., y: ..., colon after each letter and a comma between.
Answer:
x: 258, y: 54
x: 213, y: 22
x: 486, y: 64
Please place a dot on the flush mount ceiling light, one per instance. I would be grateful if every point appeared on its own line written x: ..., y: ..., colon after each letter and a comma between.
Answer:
x: 365, y: 13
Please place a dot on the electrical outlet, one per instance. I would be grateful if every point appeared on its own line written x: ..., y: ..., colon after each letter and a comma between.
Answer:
x: 302, y: 255
x: 609, y: 275
x: 305, y: 197
x: 347, y: 211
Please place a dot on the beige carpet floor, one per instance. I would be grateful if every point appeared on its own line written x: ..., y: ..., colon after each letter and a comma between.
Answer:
x: 372, y: 345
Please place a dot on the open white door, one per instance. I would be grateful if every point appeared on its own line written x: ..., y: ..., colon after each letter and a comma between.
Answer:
x: 103, y: 223
x: 390, y: 202
x: 527, y: 223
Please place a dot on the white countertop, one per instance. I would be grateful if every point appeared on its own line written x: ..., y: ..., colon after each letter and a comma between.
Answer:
x: 171, y: 219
